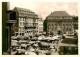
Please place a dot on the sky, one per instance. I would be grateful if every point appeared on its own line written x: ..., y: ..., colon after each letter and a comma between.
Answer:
x: 43, y: 9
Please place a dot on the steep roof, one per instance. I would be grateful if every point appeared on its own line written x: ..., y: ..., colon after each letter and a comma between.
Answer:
x: 22, y: 9
x: 59, y: 13
x: 26, y: 12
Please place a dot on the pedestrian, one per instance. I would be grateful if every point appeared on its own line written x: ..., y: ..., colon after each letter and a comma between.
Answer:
x: 63, y: 36
x: 55, y: 50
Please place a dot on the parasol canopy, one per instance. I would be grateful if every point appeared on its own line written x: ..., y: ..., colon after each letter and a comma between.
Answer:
x: 31, y: 53
x: 55, y: 37
x: 14, y: 44
x: 23, y: 50
x: 14, y: 41
x: 39, y: 38
x: 23, y: 45
x: 22, y: 41
x: 31, y: 42
x: 31, y: 49
x: 13, y: 37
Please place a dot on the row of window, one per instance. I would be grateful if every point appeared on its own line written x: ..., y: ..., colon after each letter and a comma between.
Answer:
x: 29, y: 34
x: 24, y: 19
x: 59, y: 17
x: 21, y: 30
x: 28, y: 15
x: 26, y: 11
x: 21, y: 24
x: 58, y: 24
x: 25, y: 24
x: 28, y: 20
x: 24, y: 31
x: 67, y: 29
x: 40, y: 29
x: 40, y: 24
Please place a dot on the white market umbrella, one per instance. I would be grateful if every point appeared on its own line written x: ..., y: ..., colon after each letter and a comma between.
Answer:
x: 54, y: 54
x: 38, y: 41
x: 44, y: 43
x: 23, y: 45
x: 43, y: 36
x: 18, y: 36
x: 31, y: 42
x: 35, y: 44
x: 26, y: 53
x: 22, y: 41
x: 52, y: 46
x: 52, y: 38
x: 48, y: 37
x: 13, y: 53
x: 14, y: 41
x: 32, y: 49
x: 53, y: 49
x: 39, y: 38
x: 18, y: 49
x: 55, y: 37
x: 23, y: 50
x: 13, y: 37
x: 14, y: 44
x: 31, y: 53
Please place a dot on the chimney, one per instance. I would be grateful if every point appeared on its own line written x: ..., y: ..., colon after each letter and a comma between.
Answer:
x: 8, y: 5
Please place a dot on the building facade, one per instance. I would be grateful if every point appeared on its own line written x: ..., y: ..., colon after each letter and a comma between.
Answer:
x: 40, y: 25
x: 75, y: 22
x: 27, y: 22
x: 8, y: 20
x: 59, y: 21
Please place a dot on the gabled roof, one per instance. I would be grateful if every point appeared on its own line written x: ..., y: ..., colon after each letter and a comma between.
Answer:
x: 26, y: 12
x: 59, y: 13
x: 22, y: 9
